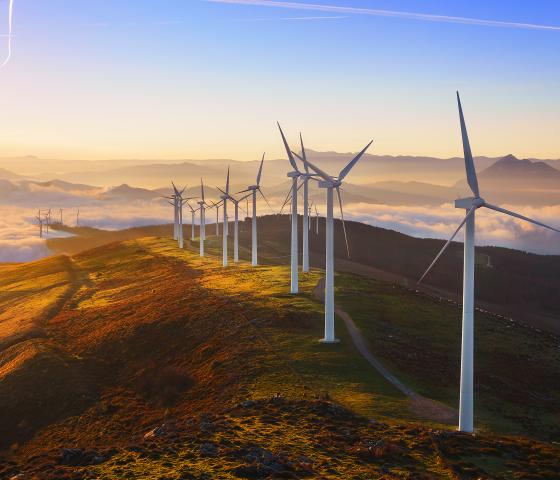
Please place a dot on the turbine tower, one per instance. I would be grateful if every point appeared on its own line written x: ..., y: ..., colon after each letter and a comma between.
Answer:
x: 330, y: 184
x: 254, y: 189
x: 470, y: 205
x: 78, y: 218
x: 294, y: 256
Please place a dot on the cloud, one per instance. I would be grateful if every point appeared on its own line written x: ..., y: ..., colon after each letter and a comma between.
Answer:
x: 389, y: 14
x: 491, y: 228
x: 19, y: 233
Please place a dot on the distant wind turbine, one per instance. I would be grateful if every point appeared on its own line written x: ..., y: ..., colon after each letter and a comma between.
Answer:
x: 78, y: 218
x: 331, y: 184
x: 471, y: 205
x: 40, y: 220
x: 254, y: 189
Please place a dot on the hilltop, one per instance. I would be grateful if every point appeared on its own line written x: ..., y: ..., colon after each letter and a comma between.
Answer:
x: 143, y: 361
x: 502, y: 274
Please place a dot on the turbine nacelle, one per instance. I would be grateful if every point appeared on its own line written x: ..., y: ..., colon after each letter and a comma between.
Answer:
x: 470, y: 202
x: 329, y: 184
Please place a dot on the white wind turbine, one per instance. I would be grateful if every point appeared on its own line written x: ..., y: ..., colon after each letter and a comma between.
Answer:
x: 330, y: 184
x: 254, y: 189
x: 202, y: 208
x: 316, y: 221
x: 179, y: 202
x: 40, y: 220
x: 306, y: 176
x: 294, y: 255
x: 193, y: 220
x: 227, y: 196
x: 471, y: 204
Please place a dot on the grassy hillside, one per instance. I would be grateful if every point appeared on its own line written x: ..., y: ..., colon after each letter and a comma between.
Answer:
x: 510, y: 282
x: 158, y: 364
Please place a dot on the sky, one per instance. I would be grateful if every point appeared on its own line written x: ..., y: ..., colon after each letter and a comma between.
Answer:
x: 163, y: 79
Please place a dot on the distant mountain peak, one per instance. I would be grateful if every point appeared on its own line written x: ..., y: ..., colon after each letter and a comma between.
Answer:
x: 510, y: 157
x: 510, y: 167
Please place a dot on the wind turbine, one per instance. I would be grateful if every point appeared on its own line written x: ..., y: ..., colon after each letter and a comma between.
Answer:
x: 227, y: 196
x: 253, y: 189
x: 179, y: 202
x: 471, y: 205
x: 316, y: 221
x: 193, y: 213
x: 331, y: 184
x: 202, y: 208
x: 40, y: 220
x: 48, y: 219
x: 294, y: 256
x: 78, y: 218
x: 60, y: 210
x: 306, y: 176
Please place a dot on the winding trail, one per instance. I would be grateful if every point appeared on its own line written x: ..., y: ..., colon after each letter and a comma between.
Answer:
x: 421, y: 406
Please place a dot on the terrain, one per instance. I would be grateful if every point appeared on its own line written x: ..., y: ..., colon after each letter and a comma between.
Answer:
x: 137, y: 360
x: 515, y: 284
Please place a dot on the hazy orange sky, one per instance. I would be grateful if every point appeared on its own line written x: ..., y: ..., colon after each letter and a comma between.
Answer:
x: 199, y: 79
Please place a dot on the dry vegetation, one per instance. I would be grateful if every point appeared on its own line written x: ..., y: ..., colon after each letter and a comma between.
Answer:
x: 152, y: 363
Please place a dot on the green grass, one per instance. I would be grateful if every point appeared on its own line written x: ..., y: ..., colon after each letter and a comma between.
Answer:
x: 419, y: 339
x: 337, y: 370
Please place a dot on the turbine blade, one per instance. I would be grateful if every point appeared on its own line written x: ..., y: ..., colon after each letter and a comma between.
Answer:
x: 260, y: 170
x: 227, y: 182
x: 202, y: 190
x: 469, y: 162
x: 243, y: 191
x: 286, y: 201
x: 343, y: 223
x: 469, y: 213
x: 346, y: 170
x: 517, y: 215
x: 288, y: 150
x: 303, y: 154
x: 265, y: 199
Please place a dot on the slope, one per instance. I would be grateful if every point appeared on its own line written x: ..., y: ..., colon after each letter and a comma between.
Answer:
x: 184, y: 371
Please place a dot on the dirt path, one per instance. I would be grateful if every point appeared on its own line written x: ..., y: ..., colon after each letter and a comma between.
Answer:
x: 421, y: 406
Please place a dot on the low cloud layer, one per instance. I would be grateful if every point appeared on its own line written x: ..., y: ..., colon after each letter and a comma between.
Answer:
x: 492, y: 228
x: 20, y: 242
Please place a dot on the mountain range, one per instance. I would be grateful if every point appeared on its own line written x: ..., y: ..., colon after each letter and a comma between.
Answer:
x: 506, y: 180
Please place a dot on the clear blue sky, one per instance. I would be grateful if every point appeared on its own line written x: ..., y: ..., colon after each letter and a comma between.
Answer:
x: 190, y: 78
